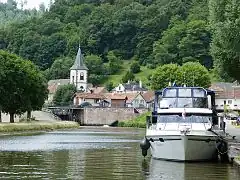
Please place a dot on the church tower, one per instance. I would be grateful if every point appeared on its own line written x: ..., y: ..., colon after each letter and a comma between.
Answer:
x: 79, y: 72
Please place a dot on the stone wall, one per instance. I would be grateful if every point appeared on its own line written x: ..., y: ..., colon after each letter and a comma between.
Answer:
x: 106, y: 116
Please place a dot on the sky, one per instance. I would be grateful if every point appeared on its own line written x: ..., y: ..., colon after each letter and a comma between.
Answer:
x: 32, y: 3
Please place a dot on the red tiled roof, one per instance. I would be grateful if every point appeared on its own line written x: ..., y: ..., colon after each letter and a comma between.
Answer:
x: 98, y: 90
x: 52, y: 88
x: 131, y: 96
x: 233, y: 93
x: 148, y: 96
x: 90, y: 96
x: 115, y: 96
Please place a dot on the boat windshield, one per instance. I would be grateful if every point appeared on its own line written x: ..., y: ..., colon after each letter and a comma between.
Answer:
x: 183, y: 103
x: 187, y: 119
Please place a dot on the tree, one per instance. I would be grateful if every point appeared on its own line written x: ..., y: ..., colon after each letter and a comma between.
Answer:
x: 22, y: 86
x: 195, y: 74
x: 135, y: 67
x: 164, y: 75
x: 225, y: 47
x: 189, y: 74
x: 114, y: 63
x: 128, y: 76
x: 64, y: 95
x: 109, y: 86
x: 94, y: 64
x: 39, y: 91
x: 60, y: 68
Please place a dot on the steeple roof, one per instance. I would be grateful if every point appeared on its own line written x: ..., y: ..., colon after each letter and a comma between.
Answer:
x: 79, y: 64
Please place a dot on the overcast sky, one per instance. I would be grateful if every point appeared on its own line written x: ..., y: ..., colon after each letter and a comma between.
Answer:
x: 32, y: 3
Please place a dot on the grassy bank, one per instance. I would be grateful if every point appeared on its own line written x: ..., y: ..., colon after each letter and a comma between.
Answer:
x: 37, y: 126
x: 138, y: 122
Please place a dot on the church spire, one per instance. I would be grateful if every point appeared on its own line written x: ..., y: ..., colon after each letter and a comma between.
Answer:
x: 79, y: 64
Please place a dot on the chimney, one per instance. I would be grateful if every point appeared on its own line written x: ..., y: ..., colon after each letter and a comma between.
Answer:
x: 140, y: 84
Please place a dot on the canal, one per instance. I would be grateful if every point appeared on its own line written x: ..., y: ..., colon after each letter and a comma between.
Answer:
x: 95, y: 153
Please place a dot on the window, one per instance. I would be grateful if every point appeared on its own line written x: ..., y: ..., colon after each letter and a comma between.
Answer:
x: 188, y: 119
x: 229, y: 101
x: 170, y: 93
x: 224, y: 102
x: 72, y: 79
x: 184, y: 103
x: 184, y: 92
x: 81, y: 76
x: 199, y: 93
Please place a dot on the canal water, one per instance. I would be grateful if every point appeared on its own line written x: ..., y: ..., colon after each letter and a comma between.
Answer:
x: 96, y: 153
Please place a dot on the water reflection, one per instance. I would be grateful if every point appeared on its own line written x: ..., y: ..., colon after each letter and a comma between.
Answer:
x: 166, y: 170
x: 94, y: 153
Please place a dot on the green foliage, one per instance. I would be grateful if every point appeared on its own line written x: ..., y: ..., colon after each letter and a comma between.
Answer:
x: 94, y: 64
x: 128, y: 76
x: 109, y: 86
x: 194, y: 74
x: 135, y: 67
x: 9, y: 13
x: 184, y: 40
x: 130, y: 28
x: 36, y: 126
x: 22, y: 86
x: 138, y: 122
x: 190, y: 74
x: 225, y: 23
x: 64, y: 95
x: 165, y: 74
x: 60, y: 69
x: 114, y: 63
x: 153, y: 32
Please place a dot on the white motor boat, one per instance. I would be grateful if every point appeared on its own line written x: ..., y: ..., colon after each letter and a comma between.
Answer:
x: 184, y: 126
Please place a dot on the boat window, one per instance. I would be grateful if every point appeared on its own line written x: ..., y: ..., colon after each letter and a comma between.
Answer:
x: 199, y: 93
x: 184, y: 103
x: 169, y: 119
x: 180, y: 119
x: 184, y: 92
x: 200, y: 103
x: 170, y: 93
x: 168, y: 103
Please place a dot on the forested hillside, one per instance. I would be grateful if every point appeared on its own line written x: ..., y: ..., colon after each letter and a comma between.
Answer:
x: 147, y: 32
x: 13, y: 11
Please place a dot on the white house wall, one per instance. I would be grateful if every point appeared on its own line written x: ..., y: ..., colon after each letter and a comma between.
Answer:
x: 139, y: 100
x: 235, y: 103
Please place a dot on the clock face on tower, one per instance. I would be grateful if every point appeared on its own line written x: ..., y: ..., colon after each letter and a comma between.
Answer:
x: 81, y: 76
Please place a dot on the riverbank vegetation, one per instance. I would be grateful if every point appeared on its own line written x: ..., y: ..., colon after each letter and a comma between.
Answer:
x: 36, y: 126
x: 138, y: 122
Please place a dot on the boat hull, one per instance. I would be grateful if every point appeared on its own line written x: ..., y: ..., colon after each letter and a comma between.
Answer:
x: 183, y: 147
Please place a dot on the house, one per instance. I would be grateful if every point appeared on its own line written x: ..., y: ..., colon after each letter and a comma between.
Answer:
x: 116, y: 100
x: 96, y: 100
x: 149, y: 98
x: 130, y: 87
x: 135, y: 100
x: 226, y: 94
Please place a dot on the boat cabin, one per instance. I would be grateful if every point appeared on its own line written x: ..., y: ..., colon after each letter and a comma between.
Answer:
x: 184, y: 97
